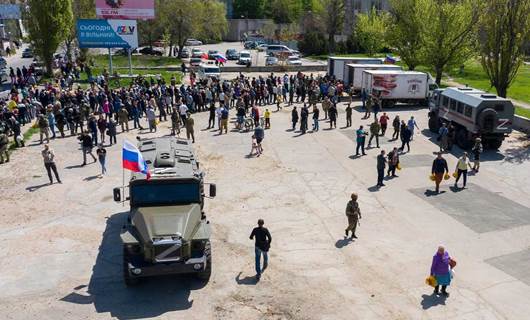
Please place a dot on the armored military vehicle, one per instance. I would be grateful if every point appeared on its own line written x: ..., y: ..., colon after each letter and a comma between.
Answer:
x: 166, y: 230
x: 473, y: 113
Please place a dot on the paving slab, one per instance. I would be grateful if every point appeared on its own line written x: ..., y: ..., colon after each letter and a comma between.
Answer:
x: 515, y: 264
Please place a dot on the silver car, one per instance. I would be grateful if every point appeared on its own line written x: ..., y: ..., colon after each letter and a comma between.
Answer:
x: 271, y: 61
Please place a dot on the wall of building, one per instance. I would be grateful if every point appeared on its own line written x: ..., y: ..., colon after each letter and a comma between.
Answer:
x: 354, y: 7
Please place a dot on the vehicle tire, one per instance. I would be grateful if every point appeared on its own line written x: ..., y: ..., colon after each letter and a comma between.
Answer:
x: 462, y: 139
x: 434, y: 123
x: 205, y: 275
x: 127, y: 278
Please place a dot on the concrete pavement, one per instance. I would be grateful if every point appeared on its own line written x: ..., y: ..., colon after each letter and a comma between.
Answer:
x: 62, y: 258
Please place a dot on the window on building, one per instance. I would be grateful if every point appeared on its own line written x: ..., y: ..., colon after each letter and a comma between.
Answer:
x: 468, y: 111
x: 452, y: 105
x: 459, y: 107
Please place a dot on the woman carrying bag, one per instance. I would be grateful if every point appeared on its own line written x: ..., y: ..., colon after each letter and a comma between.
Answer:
x: 441, y: 270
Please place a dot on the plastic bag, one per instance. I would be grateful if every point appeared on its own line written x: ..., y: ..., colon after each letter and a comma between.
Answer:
x: 455, y: 174
x: 431, y: 281
x: 447, y: 177
x: 398, y: 166
x: 432, y: 177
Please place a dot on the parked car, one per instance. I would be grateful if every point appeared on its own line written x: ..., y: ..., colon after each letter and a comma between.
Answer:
x: 151, y: 52
x: 278, y: 49
x: 208, y: 71
x: 262, y: 47
x: 195, y: 61
x: 185, y: 53
x: 232, y: 54
x: 196, y: 53
x: 212, y: 54
x: 250, y: 45
x: 193, y: 42
x: 296, y: 53
x: 3, y: 62
x: 271, y: 61
x: 294, y: 61
x: 244, y: 57
x: 124, y: 52
x: 27, y: 53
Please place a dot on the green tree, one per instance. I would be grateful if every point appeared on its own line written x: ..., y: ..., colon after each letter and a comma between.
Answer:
x: 331, y: 14
x: 448, y: 33
x: 503, y: 30
x: 251, y: 9
x: 81, y: 9
x: 212, y: 24
x: 370, y: 31
x: 404, y: 32
x: 284, y: 11
x: 48, y: 23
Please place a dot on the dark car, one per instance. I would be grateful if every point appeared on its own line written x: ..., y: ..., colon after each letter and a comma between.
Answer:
x: 125, y: 52
x: 27, y: 53
x: 185, y: 53
x: 212, y: 54
x: 250, y: 45
x: 151, y: 52
x: 232, y: 54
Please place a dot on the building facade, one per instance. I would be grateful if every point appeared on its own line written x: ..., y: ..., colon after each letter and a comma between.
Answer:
x: 354, y: 7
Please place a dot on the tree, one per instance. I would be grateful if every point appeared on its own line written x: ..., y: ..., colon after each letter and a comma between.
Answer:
x: 370, y: 31
x: 331, y: 13
x: 212, y: 23
x: 251, y: 9
x: 48, y: 23
x: 81, y: 9
x: 404, y: 34
x: 449, y: 34
x: 503, y: 30
x: 284, y: 11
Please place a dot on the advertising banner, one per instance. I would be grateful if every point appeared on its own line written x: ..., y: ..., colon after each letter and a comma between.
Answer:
x: 92, y: 33
x: 125, y: 9
x: 9, y: 11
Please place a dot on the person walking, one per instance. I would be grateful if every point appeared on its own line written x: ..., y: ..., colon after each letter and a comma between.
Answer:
x: 381, y: 164
x: 44, y: 128
x: 101, y: 152
x: 49, y: 163
x: 361, y: 139
x: 353, y: 213
x: 443, y: 134
x: 333, y: 116
x: 259, y: 133
x: 374, y: 132
x: 406, y: 135
x: 112, y: 131
x: 267, y: 115
x: 439, y: 168
x: 294, y: 117
x: 262, y: 245
x: 383, y: 121
x: 348, y: 115
x: 411, y: 124
x: 326, y: 105
x: 175, y: 122
x: 440, y: 270
x: 304, y: 114
x: 224, y: 120
x: 102, y: 127
x: 461, y: 169
x: 316, y: 115
x: 396, y: 126
x: 477, y: 150
x: 393, y: 162
x: 211, y: 116
x: 190, y: 131
x: 86, y: 146
x: 123, y: 117
x: 4, y: 144
x: 368, y: 109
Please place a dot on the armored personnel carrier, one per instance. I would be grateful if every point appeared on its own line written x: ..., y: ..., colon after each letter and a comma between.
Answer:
x: 473, y: 113
x: 166, y: 231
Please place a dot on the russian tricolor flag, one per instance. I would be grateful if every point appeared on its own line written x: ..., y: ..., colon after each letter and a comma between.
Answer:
x: 132, y: 159
x: 220, y: 58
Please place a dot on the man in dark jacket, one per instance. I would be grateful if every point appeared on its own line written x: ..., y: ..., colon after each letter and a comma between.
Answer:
x: 439, y: 167
x: 406, y: 134
x: 262, y: 244
x: 86, y: 146
x: 294, y: 117
x: 381, y: 164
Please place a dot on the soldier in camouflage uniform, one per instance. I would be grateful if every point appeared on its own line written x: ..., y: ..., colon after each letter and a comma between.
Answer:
x: 4, y: 143
x: 354, y: 214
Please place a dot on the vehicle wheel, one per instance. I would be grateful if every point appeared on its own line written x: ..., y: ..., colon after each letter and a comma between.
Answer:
x: 462, y: 140
x: 127, y: 278
x: 434, y: 124
x: 205, y: 275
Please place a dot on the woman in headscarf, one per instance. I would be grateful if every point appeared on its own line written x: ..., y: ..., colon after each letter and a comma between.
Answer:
x: 441, y: 271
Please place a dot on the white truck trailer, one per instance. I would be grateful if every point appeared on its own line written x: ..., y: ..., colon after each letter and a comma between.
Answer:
x: 354, y: 74
x: 337, y: 65
x: 394, y: 86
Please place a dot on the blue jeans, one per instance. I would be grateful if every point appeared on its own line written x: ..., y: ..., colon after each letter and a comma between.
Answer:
x: 260, y: 252
x: 315, y: 125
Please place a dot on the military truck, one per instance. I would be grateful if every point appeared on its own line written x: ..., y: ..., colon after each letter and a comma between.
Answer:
x: 473, y: 113
x: 166, y: 231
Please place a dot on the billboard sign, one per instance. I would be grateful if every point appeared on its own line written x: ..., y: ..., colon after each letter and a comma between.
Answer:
x: 9, y: 11
x: 125, y: 9
x: 93, y: 33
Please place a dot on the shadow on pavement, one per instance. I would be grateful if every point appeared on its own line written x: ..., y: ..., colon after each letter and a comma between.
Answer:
x: 341, y: 243
x: 248, y: 280
x: 37, y: 187
x: 519, y: 154
x: 432, y: 301
x: 106, y: 290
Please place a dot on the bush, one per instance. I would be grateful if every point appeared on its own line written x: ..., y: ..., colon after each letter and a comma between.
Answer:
x: 313, y: 43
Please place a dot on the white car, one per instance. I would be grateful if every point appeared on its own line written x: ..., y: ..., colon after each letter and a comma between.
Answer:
x: 209, y: 71
x: 193, y: 42
x: 271, y: 61
x: 294, y: 61
x: 196, y: 53
x: 244, y: 57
